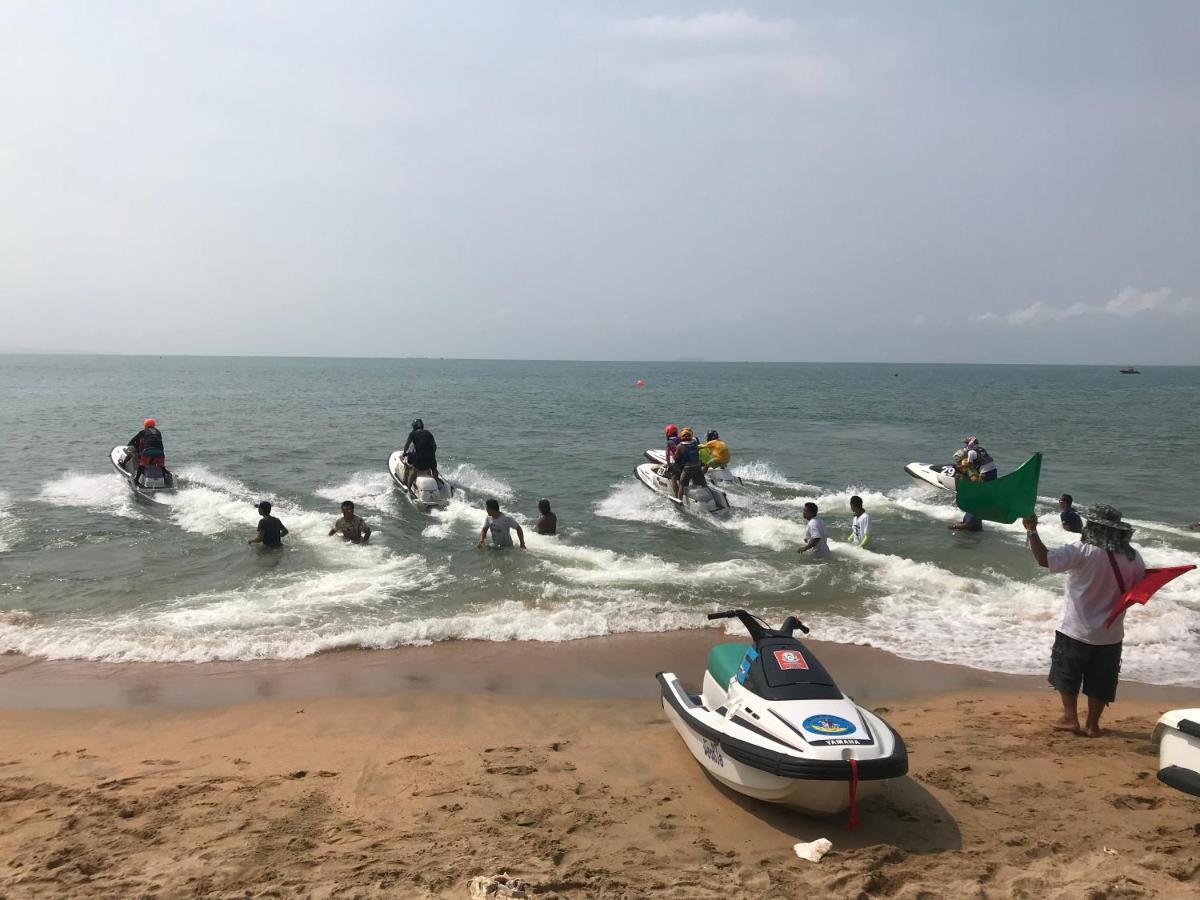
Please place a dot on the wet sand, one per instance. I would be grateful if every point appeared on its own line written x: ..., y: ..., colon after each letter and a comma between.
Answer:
x: 404, y: 773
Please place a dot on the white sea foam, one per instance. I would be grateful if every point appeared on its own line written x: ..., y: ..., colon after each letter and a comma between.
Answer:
x: 594, y: 567
x: 209, y: 503
x: 924, y: 612
x: 373, y: 490
x: 761, y: 472
x: 191, y: 475
x: 275, y: 633
x: 767, y: 531
x: 99, y: 493
x: 458, y: 512
x: 633, y: 502
x: 368, y: 596
x: 477, y: 481
x: 10, y: 527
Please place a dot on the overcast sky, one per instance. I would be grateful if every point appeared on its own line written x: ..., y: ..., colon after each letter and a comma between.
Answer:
x: 1012, y: 182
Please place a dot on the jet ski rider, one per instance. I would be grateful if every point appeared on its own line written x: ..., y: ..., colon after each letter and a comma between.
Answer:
x: 424, y: 454
x: 672, y: 433
x: 973, y: 458
x: 689, y: 468
x: 714, y: 453
x: 148, y: 445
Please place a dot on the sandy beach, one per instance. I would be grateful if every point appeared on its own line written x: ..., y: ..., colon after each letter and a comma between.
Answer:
x: 405, y: 773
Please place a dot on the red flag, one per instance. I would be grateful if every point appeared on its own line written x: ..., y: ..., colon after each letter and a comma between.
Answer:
x: 1144, y: 589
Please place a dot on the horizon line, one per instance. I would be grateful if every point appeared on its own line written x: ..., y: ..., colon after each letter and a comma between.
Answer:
x: 768, y: 362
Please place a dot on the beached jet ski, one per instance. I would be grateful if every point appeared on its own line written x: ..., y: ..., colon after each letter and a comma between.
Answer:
x: 938, y: 476
x: 156, y: 481
x: 718, y: 476
x: 700, y: 500
x: 1178, y: 737
x: 426, y: 492
x: 771, y: 724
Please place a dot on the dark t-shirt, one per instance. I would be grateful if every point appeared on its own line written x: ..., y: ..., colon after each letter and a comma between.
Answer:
x: 973, y: 523
x: 547, y: 524
x: 1071, y: 520
x: 271, y: 530
x: 424, y: 448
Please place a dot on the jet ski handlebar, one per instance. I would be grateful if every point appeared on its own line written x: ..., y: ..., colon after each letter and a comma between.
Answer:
x: 757, y: 627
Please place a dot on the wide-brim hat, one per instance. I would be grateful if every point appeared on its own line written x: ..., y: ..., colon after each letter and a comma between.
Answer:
x: 1105, y: 529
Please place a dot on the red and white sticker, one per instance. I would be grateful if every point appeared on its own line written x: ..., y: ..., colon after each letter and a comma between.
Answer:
x: 790, y: 659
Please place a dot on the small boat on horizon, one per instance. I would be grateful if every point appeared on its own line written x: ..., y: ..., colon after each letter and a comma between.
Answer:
x: 1130, y: 370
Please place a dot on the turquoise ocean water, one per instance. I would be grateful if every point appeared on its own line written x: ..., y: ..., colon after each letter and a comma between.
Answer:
x: 87, y: 571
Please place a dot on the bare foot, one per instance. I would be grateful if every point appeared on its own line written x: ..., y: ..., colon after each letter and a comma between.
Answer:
x: 1093, y: 731
x: 1065, y: 724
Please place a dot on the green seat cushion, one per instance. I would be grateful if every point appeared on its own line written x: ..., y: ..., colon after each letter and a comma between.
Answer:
x: 723, y: 661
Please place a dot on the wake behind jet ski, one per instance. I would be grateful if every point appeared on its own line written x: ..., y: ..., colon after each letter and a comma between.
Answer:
x: 425, y: 491
x: 698, y: 499
x: 771, y: 723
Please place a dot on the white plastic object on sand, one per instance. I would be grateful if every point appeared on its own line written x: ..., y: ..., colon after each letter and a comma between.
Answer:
x: 813, y: 850
x: 497, y: 887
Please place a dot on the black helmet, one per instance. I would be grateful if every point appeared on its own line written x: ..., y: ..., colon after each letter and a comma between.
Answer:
x: 417, y: 425
x: 711, y: 436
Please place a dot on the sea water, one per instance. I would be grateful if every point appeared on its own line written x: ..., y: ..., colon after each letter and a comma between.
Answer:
x: 88, y: 571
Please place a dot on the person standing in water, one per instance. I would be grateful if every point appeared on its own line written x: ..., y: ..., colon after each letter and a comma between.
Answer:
x: 270, y: 529
x: 1071, y: 520
x: 547, y: 522
x: 860, y: 529
x: 968, y: 523
x: 500, y: 524
x: 814, y: 533
x: 350, y: 526
x: 1100, y: 568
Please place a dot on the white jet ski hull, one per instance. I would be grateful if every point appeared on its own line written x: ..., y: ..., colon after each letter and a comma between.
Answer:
x: 426, y: 492
x: 153, y: 489
x: 817, y: 781
x: 936, y: 476
x: 1178, y: 737
x: 703, y: 501
x: 719, y: 477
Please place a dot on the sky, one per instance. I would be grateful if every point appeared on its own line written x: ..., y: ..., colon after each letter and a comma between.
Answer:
x: 918, y: 182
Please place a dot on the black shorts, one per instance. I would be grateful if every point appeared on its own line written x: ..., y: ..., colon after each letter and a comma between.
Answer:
x: 692, y: 475
x: 1095, y: 666
x: 674, y: 470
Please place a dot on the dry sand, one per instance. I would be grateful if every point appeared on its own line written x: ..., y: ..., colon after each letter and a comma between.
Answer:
x: 413, y: 789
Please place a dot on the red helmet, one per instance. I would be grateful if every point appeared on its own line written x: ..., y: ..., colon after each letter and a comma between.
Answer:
x: 671, y: 431
x: 971, y: 441
x: 149, y: 423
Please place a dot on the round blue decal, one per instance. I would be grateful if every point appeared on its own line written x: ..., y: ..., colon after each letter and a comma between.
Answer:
x: 827, y: 726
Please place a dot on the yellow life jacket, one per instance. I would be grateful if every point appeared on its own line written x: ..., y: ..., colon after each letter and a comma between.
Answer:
x: 718, y: 453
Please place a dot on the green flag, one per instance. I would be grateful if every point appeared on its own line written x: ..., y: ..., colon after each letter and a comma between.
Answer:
x: 1002, y: 499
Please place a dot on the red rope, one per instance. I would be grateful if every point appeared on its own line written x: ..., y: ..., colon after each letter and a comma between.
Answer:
x: 854, y: 823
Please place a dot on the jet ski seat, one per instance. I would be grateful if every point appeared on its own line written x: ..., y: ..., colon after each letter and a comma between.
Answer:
x: 723, y: 661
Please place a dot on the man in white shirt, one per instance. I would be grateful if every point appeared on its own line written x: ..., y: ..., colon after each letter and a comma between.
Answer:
x: 1100, y: 569
x: 860, y: 530
x: 814, y: 534
x: 500, y: 524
